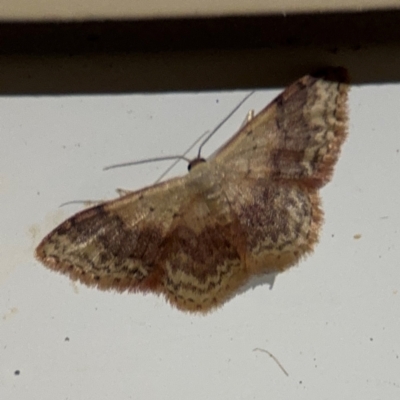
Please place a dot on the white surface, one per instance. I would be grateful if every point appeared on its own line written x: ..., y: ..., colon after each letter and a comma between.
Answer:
x: 333, y: 321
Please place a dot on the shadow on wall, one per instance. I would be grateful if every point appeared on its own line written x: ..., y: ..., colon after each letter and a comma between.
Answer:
x: 170, y: 55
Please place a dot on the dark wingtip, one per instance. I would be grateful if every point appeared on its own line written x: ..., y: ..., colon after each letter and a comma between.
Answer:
x: 334, y: 74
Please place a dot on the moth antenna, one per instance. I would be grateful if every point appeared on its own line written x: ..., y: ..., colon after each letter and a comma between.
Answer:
x: 146, y: 160
x: 177, y: 158
x: 184, y: 154
x: 210, y: 134
x: 223, y: 122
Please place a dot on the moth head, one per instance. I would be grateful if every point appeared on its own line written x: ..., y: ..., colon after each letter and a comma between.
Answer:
x: 195, y: 162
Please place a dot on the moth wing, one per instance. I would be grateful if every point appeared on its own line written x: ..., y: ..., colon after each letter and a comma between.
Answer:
x: 204, y: 255
x: 117, y: 243
x: 297, y: 136
x: 165, y: 239
x: 279, y: 222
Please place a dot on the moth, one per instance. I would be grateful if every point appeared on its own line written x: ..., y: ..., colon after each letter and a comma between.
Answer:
x: 252, y: 208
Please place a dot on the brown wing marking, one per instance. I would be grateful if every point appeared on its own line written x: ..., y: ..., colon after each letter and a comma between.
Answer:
x: 296, y: 137
x: 203, y: 258
x: 116, y: 244
x: 280, y: 221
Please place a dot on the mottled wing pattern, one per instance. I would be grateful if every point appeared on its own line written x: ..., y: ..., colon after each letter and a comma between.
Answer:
x: 169, y: 239
x: 252, y: 208
x: 203, y: 257
x: 279, y: 221
x: 116, y: 244
x: 298, y: 135
x: 275, y: 164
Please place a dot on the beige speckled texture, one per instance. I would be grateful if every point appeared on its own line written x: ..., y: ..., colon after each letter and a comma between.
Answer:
x: 127, y: 9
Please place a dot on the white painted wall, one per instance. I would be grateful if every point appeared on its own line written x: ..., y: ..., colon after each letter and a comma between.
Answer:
x: 333, y: 322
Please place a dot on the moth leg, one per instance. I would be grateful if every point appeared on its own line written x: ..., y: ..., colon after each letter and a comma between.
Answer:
x: 248, y: 118
x: 86, y: 203
x: 123, y: 192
